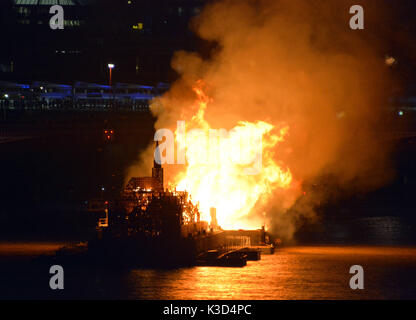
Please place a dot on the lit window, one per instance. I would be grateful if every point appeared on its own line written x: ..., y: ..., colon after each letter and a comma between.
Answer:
x: 139, y: 26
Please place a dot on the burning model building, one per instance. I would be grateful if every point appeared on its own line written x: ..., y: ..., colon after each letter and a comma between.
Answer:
x: 146, y: 207
x: 150, y: 225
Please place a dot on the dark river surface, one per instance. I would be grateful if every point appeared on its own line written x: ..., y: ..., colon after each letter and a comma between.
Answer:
x: 299, y: 272
x: 291, y: 273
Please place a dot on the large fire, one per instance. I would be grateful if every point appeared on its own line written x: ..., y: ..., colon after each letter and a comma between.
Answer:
x: 233, y: 171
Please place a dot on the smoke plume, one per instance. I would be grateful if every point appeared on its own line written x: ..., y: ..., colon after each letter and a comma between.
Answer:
x: 296, y: 63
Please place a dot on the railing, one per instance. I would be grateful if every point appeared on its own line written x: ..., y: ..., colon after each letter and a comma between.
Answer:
x: 62, y: 105
x: 236, y: 242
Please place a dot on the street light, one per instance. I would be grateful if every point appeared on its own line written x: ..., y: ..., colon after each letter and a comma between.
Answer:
x: 111, y: 67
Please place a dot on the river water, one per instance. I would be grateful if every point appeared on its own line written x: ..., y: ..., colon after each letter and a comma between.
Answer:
x: 291, y: 273
x: 302, y: 272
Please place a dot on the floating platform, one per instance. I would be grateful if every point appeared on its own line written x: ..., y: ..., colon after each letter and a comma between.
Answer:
x: 216, y: 258
x: 252, y: 253
x: 264, y: 249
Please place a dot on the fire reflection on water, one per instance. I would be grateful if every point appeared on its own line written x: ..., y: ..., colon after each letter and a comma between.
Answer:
x: 302, y: 272
x: 292, y: 273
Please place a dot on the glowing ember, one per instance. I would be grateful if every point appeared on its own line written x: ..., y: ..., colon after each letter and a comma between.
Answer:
x: 231, y: 171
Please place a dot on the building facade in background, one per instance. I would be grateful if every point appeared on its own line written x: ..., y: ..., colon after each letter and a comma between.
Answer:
x: 138, y: 36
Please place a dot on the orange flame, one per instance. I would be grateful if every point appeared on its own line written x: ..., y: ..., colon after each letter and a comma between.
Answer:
x: 218, y: 167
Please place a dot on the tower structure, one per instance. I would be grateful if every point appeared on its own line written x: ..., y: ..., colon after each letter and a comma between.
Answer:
x: 157, y: 170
